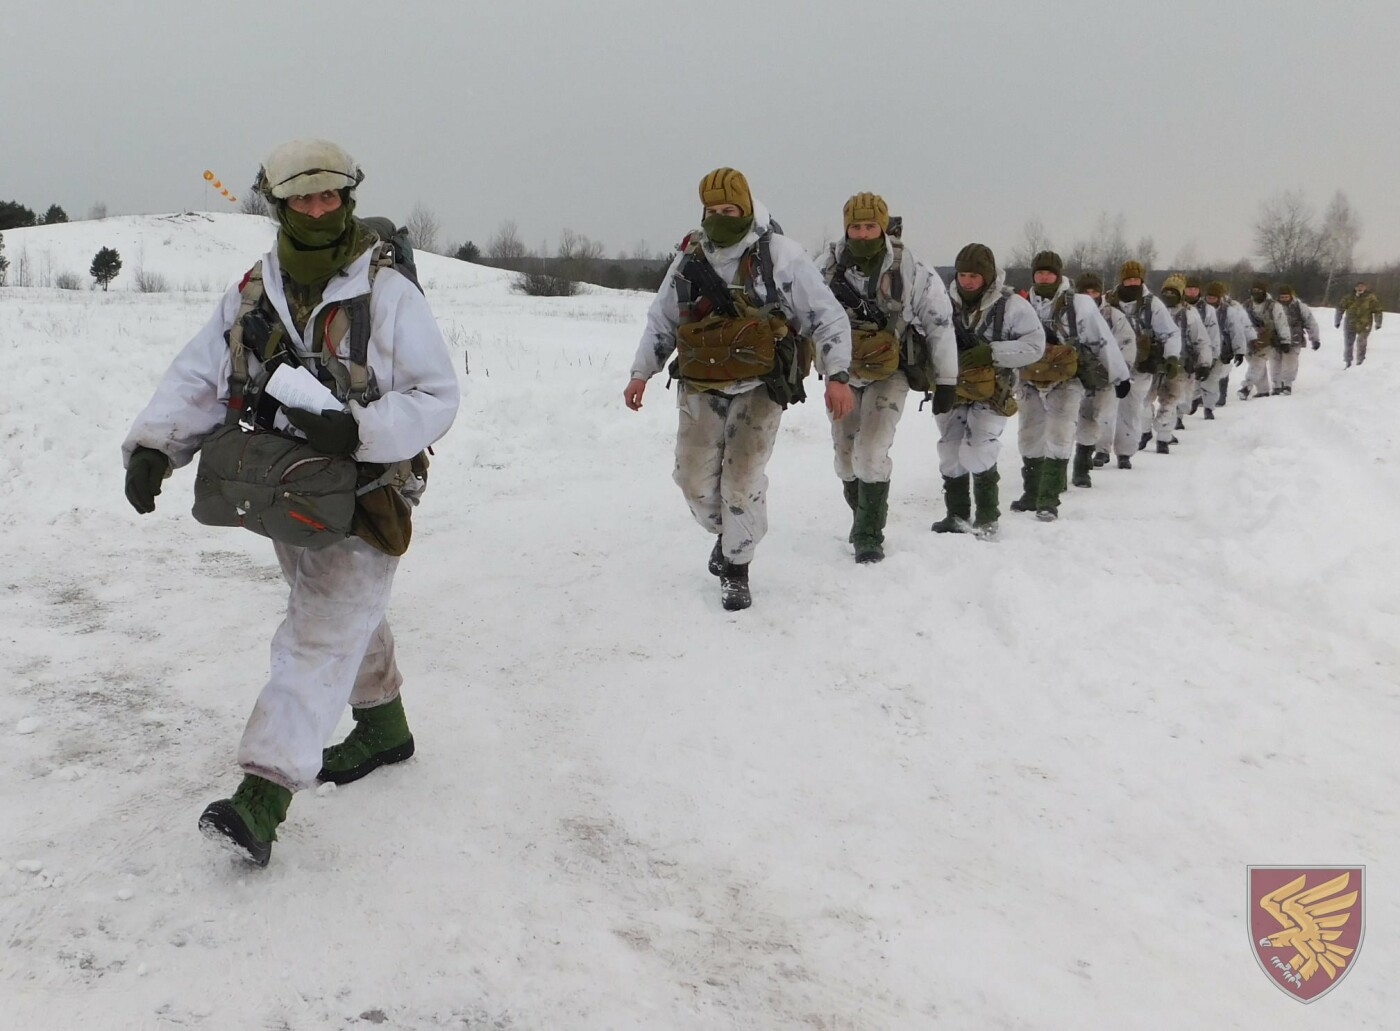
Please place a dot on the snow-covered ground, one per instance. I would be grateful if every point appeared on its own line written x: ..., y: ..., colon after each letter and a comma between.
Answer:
x: 1011, y: 785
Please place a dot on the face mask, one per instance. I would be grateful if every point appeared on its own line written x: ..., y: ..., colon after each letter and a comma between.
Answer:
x: 1045, y: 290
x: 1258, y: 295
x: 1171, y: 297
x: 1130, y: 293
x: 726, y: 230
x: 864, y: 250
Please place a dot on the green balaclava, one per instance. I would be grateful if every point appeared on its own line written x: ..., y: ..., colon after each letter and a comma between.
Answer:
x: 312, y: 250
x: 868, y: 254
x: 976, y: 258
x: 1047, y: 261
x: 726, y: 230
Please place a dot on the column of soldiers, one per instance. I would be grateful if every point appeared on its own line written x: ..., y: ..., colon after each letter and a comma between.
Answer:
x: 743, y: 314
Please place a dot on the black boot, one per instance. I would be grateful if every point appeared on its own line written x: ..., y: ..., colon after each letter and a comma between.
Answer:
x: 1083, y: 460
x: 1163, y: 448
x: 957, y: 497
x: 1100, y: 459
x: 1224, y: 393
x: 1179, y: 424
x: 1195, y: 406
x: 1124, y: 462
x: 1145, y: 439
x: 1210, y: 414
x: 1030, y: 485
x: 734, y: 587
x: 1052, y: 485
x: 717, y: 557
x: 871, y: 514
x: 852, y: 492
x: 987, y: 494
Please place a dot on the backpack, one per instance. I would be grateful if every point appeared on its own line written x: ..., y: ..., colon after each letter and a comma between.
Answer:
x: 706, y: 300
x: 274, y: 483
x: 1060, y: 362
x: 881, y: 341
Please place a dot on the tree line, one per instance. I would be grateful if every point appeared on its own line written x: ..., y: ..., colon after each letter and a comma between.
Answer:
x: 1295, y: 244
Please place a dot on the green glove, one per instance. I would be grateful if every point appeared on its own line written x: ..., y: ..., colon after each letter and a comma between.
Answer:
x: 1173, y: 367
x: 975, y: 357
x: 143, y: 475
x: 945, y: 395
x: 329, y: 432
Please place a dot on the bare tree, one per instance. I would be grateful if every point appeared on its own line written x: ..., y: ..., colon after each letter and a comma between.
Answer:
x: 423, y: 228
x: 506, y: 249
x: 1033, y: 241
x: 1341, y: 229
x: 97, y: 212
x: 579, y: 256
x: 1285, y: 236
x: 1105, y: 250
x: 1147, y: 252
x: 1188, y: 258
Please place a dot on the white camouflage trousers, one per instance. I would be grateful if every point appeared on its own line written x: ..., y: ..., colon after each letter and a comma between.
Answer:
x: 969, y: 439
x: 1259, y: 363
x: 1163, y: 395
x: 1132, y: 415
x: 1048, y: 419
x: 1283, y: 366
x: 863, y: 439
x: 1098, y: 418
x: 722, y: 449
x: 333, y: 646
x: 1215, y: 384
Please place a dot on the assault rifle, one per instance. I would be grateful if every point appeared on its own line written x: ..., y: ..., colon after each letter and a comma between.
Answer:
x: 705, y: 282
x: 862, y: 309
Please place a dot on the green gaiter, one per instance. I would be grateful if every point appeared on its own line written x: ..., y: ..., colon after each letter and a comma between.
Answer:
x: 726, y: 230
x: 869, y: 255
x: 311, y: 250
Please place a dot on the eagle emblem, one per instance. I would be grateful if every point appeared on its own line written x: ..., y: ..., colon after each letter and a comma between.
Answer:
x: 1306, y: 925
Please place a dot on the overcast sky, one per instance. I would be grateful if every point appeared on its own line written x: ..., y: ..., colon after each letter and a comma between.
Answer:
x: 602, y: 116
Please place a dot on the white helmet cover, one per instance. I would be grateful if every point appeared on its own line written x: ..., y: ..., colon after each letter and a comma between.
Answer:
x: 308, y: 166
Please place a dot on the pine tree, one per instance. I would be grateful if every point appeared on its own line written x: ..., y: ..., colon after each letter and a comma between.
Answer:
x: 106, y: 266
x: 468, y: 252
x: 55, y: 215
x: 14, y: 215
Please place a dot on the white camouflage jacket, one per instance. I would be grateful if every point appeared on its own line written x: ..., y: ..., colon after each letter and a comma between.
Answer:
x: 1095, y: 335
x: 1022, y: 339
x: 1199, y: 351
x: 419, y: 393
x: 1122, y: 331
x: 1270, y: 309
x: 1237, y: 331
x: 1162, y: 324
x: 926, y: 305
x: 802, y: 294
x: 1302, y: 323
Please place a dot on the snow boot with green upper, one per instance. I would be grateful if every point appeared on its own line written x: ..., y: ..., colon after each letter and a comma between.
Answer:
x: 957, y: 496
x: 1052, y: 485
x: 987, y: 495
x: 869, y: 533
x: 247, y: 823
x: 1030, y: 485
x: 1083, y: 462
x: 852, y: 491
x: 380, y: 737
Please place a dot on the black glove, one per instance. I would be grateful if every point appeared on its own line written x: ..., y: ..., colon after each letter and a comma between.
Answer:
x: 1123, y: 389
x: 143, y: 475
x: 1202, y: 371
x: 329, y: 432
x: 1316, y: 344
x: 945, y: 395
x: 1239, y: 359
